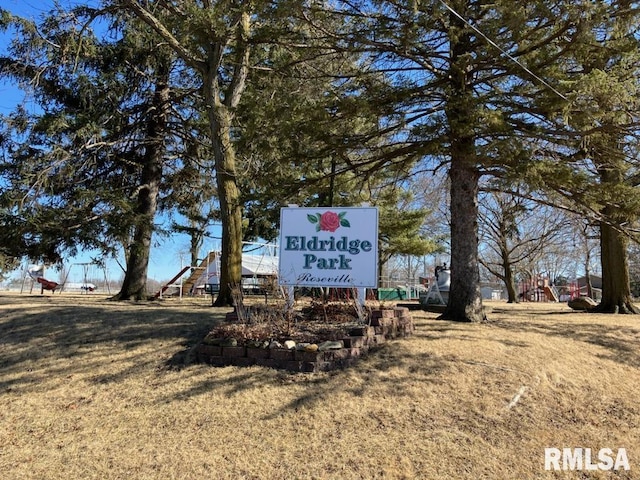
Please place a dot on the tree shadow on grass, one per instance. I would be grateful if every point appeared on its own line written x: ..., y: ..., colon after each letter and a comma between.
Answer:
x: 444, y: 329
x: 394, y: 370
x: 621, y: 343
x: 38, y: 343
x: 48, y: 344
x: 389, y: 371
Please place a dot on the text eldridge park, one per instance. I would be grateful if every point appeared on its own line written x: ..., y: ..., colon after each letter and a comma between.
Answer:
x: 314, y: 244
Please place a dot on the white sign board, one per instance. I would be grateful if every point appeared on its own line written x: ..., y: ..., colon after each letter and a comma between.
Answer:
x: 329, y: 247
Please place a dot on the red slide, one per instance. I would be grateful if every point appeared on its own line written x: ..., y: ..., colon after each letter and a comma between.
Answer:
x: 47, y: 284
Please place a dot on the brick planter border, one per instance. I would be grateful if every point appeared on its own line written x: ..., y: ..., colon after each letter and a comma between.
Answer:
x: 384, y: 325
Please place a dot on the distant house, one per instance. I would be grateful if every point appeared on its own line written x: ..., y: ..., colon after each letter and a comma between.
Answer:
x: 493, y: 291
x: 257, y: 271
x: 596, y: 284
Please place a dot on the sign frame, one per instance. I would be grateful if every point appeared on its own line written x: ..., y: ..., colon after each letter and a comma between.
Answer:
x: 328, y: 247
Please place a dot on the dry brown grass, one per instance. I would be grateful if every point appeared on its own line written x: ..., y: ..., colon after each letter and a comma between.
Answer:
x: 93, y: 389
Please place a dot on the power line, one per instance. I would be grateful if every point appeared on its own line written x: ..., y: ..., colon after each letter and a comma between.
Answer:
x: 504, y: 52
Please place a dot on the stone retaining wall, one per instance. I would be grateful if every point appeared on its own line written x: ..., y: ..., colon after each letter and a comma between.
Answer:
x: 385, y: 324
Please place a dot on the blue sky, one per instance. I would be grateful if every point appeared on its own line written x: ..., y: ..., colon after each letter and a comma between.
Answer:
x: 168, y: 253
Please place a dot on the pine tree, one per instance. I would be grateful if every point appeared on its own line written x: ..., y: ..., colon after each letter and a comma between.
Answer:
x: 86, y: 170
x: 460, y: 97
x: 609, y: 92
x: 593, y: 161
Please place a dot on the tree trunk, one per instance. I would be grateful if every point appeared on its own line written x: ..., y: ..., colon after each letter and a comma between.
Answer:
x: 507, y: 268
x: 510, y: 283
x: 134, y: 286
x: 465, y: 298
x: 229, y: 197
x: 616, y: 287
x: 194, y: 247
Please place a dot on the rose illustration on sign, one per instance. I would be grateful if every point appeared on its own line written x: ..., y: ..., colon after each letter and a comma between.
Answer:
x: 329, y: 221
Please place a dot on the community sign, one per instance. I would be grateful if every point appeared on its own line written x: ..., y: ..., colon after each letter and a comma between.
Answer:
x: 329, y: 247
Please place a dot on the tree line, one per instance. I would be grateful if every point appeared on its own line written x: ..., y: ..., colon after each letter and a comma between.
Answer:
x: 226, y: 110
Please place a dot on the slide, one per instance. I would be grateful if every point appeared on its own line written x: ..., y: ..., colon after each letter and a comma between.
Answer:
x: 551, y: 294
x: 170, y: 282
x: 36, y: 272
x: 47, y: 284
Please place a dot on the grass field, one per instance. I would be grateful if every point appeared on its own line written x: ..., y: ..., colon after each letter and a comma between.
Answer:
x: 92, y: 389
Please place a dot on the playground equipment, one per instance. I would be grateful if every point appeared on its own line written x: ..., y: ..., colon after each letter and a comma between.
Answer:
x: 187, y: 286
x: 436, y: 298
x: 36, y: 273
x: 538, y: 289
x: 172, y: 283
x: 258, y: 269
x: 89, y: 275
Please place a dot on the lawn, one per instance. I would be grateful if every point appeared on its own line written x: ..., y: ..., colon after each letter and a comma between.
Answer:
x: 90, y: 388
